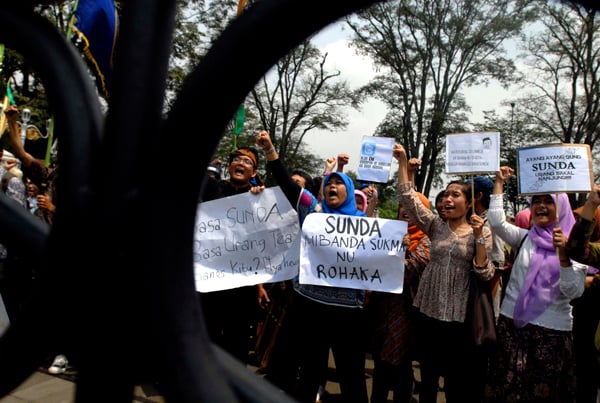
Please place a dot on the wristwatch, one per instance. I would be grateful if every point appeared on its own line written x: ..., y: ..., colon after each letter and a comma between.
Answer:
x: 481, y: 241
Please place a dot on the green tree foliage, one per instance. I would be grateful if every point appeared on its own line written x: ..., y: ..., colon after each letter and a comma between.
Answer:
x: 561, y: 96
x: 297, y: 96
x: 428, y: 51
x: 189, y: 44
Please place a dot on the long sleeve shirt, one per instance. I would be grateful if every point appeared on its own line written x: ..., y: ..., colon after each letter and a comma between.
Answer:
x: 558, y: 315
x: 443, y: 291
x: 305, y: 203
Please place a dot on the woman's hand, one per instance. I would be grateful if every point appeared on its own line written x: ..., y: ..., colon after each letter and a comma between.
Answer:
x: 342, y: 161
x: 399, y: 153
x: 329, y: 164
x: 559, y: 240
x: 413, y: 165
x: 256, y: 189
x: 477, y: 225
x: 504, y: 173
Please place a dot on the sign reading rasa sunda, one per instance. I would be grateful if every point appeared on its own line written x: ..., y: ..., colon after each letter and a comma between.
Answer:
x: 555, y: 168
x: 245, y: 239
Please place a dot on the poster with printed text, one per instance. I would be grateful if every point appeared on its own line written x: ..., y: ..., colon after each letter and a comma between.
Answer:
x: 353, y: 252
x: 555, y: 168
x: 472, y: 153
x: 375, y: 159
x: 245, y: 239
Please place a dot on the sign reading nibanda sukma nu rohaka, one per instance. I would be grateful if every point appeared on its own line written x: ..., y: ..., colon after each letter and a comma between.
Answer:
x: 352, y: 252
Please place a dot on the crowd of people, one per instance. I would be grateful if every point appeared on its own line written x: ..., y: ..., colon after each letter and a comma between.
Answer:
x: 541, y: 265
x: 31, y: 185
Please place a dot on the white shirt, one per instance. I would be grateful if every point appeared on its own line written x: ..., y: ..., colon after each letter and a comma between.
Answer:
x: 558, y: 315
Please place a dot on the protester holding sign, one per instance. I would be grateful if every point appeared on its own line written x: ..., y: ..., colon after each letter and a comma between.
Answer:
x: 320, y: 318
x: 458, y: 247
x: 534, y: 361
x: 229, y: 314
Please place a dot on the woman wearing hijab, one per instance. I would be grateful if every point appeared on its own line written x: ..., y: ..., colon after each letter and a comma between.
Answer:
x: 361, y: 200
x: 320, y: 318
x: 394, y: 338
x: 534, y: 360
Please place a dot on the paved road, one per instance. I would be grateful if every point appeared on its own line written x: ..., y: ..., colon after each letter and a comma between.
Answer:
x: 42, y: 387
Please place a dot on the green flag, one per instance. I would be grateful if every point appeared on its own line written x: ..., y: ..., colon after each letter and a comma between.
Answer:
x: 50, y: 141
x: 9, y: 94
x: 239, y: 121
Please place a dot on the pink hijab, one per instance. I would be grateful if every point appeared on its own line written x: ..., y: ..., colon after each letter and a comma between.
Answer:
x: 363, y: 196
x: 523, y: 219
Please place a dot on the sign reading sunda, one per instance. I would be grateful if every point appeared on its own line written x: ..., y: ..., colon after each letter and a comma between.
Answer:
x: 555, y: 168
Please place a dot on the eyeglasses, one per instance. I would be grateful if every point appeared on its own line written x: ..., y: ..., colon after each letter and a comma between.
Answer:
x: 243, y: 160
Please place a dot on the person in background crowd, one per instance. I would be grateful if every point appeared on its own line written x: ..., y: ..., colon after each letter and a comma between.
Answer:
x: 46, y: 201
x: 16, y: 147
x: 534, y: 359
x: 459, y: 250
x: 320, y: 318
x: 394, y: 318
x: 523, y: 219
x: 276, y: 297
x: 584, y: 246
x: 305, y: 181
x: 439, y: 205
x: 32, y: 192
x: 14, y: 278
x: 361, y: 200
x: 230, y: 314
x: 483, y: 187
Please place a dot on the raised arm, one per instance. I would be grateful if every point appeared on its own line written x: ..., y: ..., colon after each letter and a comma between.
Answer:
x: 413, y: 165
x: 591, y: 204
x: 290, y: 188
x: 400, y: 154
x: 342, y: 161
x: 579, y: 247
x: 14, y: 139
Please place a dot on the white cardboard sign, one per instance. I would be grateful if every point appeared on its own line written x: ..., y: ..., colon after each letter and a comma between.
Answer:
x: 472, y: 153
x: 375, y: 159
x: 555, y: 168
x: 353, y: 252
x: 245, y: 239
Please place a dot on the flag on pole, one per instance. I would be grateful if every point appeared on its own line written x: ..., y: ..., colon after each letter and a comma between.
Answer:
x: 50, y: 142
x: 239, y: 121
x: 95, y: 26
x: 9, y: 94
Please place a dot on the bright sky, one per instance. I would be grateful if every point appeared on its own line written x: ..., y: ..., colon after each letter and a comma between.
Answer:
x: 358, y: 71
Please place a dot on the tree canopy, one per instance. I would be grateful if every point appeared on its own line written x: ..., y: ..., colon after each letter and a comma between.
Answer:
x: 426, y: 53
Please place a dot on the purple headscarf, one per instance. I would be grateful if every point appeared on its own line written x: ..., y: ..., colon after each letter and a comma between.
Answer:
x: 541, y: 286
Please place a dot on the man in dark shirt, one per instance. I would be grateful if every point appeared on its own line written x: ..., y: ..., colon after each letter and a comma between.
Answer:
x: 230, y: 314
